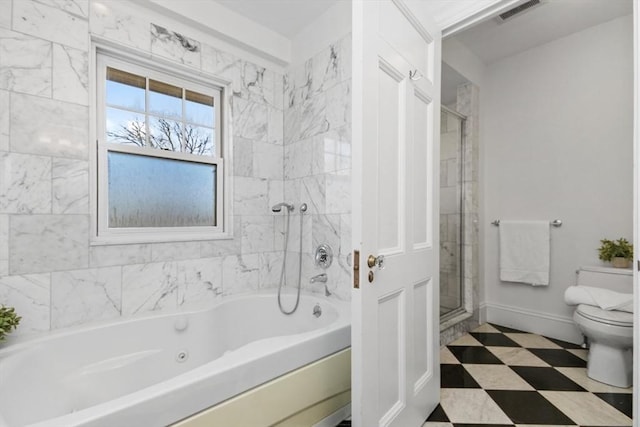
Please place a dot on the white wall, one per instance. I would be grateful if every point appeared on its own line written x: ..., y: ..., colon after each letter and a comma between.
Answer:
x: 463, y: 60
x: 557, y: 143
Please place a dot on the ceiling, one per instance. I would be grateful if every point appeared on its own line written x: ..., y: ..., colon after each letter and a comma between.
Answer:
x: 285, y: 17
x: 491, y: 41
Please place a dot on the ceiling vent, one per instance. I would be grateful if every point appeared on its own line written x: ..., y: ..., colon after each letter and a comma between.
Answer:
x: 518, y: 10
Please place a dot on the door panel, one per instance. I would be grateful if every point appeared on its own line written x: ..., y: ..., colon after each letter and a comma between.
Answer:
x: 420, y: 303
x: 421, y: 155
x: 423, y: 334
x: 391, y: 370
x: 395, y: 371
x: 391, y: 100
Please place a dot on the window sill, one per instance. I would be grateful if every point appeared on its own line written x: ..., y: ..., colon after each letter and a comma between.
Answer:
x: 132, y: 239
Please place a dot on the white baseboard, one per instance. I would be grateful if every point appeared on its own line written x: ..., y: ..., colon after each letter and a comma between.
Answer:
x: 482, y: 313
x: 562, y: 328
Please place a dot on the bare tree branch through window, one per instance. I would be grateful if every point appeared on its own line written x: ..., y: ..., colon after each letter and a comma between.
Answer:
x: 164, y: 135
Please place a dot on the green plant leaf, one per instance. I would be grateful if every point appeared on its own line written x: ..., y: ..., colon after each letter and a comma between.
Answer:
x: 610, y: 249
x: 9, y: 321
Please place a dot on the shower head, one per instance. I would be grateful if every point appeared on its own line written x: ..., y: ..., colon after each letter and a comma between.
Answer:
x: 278, y: 207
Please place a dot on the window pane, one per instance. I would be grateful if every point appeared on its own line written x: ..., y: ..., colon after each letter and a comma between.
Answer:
x: 153, y: 192
x: 125, y: 89
x: 165, y: 100
x: 125, y: 127
x: 199, y: 140
x: 165, y: 134
x: 199, y: 108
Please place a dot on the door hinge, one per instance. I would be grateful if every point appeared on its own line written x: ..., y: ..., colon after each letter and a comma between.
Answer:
x: 356, y: 269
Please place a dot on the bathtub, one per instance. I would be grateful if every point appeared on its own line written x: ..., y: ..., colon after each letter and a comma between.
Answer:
x: 157, y: 370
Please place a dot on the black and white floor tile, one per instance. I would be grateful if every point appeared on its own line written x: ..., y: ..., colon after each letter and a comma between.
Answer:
x: 497, y: 376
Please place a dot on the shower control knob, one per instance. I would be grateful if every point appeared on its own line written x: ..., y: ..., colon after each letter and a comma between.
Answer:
x: 324, y: 256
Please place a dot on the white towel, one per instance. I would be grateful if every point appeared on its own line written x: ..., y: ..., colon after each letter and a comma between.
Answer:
x: 598, y: 297
x: 524, y: 252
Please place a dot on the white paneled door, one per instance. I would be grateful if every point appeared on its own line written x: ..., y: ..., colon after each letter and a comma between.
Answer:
x: 395, y: 330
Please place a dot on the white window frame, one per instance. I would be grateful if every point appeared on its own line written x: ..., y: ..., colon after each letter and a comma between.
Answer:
x: 180, y: 76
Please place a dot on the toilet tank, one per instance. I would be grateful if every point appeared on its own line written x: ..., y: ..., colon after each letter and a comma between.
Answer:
x: 615, y: 279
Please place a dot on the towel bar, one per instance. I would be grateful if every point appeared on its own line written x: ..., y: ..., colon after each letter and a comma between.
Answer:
x: 555, y: 222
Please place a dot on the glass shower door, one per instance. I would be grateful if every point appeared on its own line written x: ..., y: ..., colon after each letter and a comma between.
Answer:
x: 451, y: 211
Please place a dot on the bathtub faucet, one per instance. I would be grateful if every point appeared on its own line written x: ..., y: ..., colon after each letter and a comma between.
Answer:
x: 321, y: 278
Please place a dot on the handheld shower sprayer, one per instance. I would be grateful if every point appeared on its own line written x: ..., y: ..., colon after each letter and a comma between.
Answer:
x: 288, y: 209
x: 278, y: 207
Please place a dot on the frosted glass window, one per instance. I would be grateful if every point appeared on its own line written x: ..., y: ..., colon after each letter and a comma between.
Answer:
x: 156, y: 192
x: 160, y: 161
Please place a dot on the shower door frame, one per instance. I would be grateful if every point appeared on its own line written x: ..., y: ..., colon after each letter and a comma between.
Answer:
x: 465, y: 309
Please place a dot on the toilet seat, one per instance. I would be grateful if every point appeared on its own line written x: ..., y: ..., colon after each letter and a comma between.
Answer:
x: 609, y: 317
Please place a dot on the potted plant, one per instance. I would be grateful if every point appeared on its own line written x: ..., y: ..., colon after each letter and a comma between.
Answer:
x: 9, y: 320
x: 618, y: 252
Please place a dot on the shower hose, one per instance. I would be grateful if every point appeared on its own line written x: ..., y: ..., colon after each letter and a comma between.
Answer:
x: 283, y: 277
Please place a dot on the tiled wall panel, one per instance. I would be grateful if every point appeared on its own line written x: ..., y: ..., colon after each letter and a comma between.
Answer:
x: 291, y: 141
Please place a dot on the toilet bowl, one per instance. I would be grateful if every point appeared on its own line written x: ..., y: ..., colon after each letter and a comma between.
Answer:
x: 609, y: 333
x: 610, y: 337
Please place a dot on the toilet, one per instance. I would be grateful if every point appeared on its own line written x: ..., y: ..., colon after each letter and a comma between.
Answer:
x: 608, y: 332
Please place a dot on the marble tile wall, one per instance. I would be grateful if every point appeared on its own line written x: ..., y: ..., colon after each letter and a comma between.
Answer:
x: 317, y: 164
x: 48, y: 269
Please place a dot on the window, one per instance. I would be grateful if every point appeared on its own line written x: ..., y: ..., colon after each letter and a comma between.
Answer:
x: 160, y: 155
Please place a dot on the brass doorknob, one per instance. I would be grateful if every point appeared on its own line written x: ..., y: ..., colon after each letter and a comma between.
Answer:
x: 373, y: 261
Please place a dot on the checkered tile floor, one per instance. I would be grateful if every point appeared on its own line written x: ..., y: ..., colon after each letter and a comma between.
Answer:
x: 503, y: 377
x: 497, y: 376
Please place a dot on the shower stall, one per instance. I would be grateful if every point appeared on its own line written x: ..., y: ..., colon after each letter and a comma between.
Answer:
x: 459, y: 206
x: 452, y: 193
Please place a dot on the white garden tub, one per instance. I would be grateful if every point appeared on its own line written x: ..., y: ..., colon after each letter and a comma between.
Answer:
x: 157, y: 370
